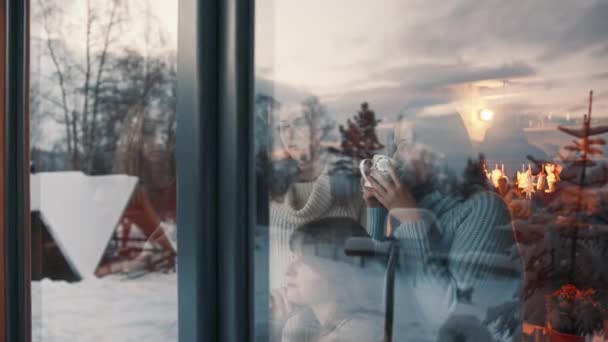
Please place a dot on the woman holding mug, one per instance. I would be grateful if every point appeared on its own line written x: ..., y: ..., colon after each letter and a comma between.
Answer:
x: 456, y: 242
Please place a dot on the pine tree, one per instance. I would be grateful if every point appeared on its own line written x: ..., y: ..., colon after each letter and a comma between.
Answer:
x: 563, y: 240
x: 578, y: 168
x: 359, y: 139
x: 580, y: 177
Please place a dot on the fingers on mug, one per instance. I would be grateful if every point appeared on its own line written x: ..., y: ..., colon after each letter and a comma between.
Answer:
x: 378, y: 164
x: 363, y: 167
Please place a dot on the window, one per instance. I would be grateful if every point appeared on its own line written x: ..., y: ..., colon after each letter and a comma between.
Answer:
x: 422, y: 172
x: 103, y: 88
x: 431, y: 148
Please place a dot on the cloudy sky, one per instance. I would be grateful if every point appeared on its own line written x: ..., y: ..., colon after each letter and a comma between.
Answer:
x: 415, y: 57
x: 420, y: 56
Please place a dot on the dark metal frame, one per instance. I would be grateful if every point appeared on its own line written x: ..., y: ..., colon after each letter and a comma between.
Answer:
x: 215, y: 170
x: 236, y: 216
x: 389, y: 291
x: 16, y: 239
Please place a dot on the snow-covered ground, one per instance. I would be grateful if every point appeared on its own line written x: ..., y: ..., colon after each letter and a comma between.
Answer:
x: 109, y: 309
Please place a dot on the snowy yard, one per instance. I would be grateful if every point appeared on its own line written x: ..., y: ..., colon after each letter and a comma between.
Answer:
x: 108, y: 309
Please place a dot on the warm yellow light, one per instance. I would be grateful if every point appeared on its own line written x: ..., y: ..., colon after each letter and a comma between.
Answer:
x: 486, y: 115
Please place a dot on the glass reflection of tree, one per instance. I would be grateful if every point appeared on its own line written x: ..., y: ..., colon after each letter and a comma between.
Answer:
x: 576, y: 203
x: 359, y: 139
x: 565, y: 239
x: 583, y: 149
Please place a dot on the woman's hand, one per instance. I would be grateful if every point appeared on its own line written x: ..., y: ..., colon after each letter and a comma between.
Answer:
x: 368, y: 196
x: 390, y: 192
x: 280, y: 307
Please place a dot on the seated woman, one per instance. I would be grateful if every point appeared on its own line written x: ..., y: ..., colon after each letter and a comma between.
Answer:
x: 456, y: 243
x: 333, y: 291
x: 304, y: 186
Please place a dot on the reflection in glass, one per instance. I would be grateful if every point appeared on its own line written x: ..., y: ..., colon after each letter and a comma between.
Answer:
x: 102, y: 128
x: 471, y: 143
x: 329, y: 288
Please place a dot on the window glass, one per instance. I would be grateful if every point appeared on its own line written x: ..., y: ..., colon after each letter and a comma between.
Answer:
x: 431, y: 172
x: 103, y: 195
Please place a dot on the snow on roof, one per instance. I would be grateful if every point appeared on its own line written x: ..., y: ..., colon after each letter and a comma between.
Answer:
x: 81, y: 212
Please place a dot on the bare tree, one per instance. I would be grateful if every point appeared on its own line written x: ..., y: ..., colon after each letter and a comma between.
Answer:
x: 114, y: 99
x: 79, y: 83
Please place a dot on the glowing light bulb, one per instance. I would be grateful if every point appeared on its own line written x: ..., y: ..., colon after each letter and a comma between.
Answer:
x: 486, y: 115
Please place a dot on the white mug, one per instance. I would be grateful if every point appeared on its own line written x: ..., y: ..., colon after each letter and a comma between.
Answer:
x: 378, y: 167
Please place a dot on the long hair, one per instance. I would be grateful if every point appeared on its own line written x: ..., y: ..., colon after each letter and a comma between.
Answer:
x: 423, y: 170
x: 283, y: 171
x: 440, y: 178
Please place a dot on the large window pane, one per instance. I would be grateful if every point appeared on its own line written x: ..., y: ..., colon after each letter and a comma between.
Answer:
x: 436, y: 138
x: 102, y: 127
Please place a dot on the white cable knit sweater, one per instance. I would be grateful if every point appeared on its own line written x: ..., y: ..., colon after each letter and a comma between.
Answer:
x: 304, y: 202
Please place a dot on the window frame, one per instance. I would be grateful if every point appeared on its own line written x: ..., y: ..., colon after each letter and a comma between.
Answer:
x: 215, y: 167
x: 2, y: 229
x: 15, y: 175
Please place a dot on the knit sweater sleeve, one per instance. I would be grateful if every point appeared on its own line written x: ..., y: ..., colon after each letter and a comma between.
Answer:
x: 455, y: 257
x: 376, y: 222
x: 482, y: 242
